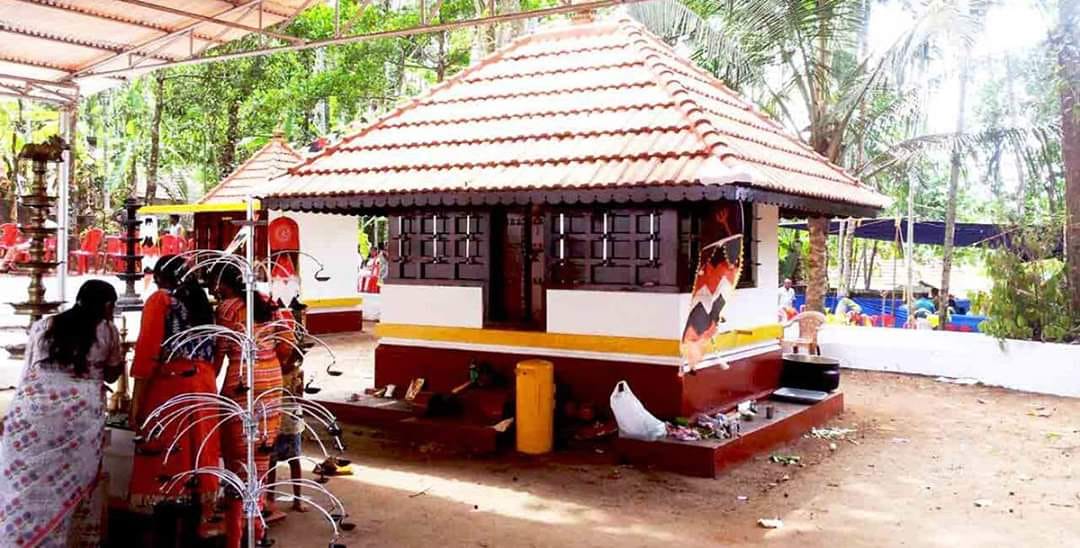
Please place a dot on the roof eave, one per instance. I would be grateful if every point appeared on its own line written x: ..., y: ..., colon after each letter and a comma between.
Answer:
x: 363, y: 203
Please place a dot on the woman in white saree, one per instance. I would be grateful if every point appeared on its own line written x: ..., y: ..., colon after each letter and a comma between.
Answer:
x: 51, y: 447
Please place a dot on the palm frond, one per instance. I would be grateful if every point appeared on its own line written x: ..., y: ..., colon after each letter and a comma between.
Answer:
x: 965, y: 143
x: 677, y: 24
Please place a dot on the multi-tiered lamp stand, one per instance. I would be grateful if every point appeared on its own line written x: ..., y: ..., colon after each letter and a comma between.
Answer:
x: 40, y: 203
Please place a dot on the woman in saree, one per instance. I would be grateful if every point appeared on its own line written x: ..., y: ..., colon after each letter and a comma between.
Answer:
x: 162, y: 371
x: 272, y: 341
x: 50, y: 453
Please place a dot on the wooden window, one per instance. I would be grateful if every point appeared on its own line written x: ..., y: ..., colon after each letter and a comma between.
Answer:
x: 749, y: 247
x: 613, y: 248
x: 445, y: 246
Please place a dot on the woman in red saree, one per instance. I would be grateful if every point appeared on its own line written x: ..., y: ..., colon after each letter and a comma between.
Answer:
x: 161, y: 372
x: 271, y: 340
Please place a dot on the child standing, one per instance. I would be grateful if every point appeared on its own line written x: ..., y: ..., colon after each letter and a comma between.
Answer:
x: 287, y: 446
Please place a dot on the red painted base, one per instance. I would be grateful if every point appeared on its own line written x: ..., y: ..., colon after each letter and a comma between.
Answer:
x: 659, y: 387
x: 341, y: 321
x: 706, y: 458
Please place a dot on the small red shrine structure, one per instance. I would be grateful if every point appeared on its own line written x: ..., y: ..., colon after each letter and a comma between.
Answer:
x: 327, y: 268
x: 217, y: 210
x: 551, y: 200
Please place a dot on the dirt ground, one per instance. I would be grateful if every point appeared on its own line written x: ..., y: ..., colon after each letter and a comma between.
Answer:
x: 923, y: 453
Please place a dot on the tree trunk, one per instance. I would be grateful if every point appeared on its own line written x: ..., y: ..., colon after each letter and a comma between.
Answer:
x: 440, y: 62
x: 796, y: 268
x: 815, y: 287
x: 1021, y: 180
x: 869, y: 273
x: 841, y: 264
x: 227, y: 159
x: 1069, y: 65
x: 155, y: 138
x: 849, y: 281
x: 950, y: 211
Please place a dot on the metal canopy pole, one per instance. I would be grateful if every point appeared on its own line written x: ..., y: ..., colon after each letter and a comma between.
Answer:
x: 68, y: 119
x: 910, y: 247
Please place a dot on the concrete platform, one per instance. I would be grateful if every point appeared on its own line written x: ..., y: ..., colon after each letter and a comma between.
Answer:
x: 706, y: 458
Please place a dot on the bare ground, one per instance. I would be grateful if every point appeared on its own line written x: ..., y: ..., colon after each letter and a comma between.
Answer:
x: 924, y: 452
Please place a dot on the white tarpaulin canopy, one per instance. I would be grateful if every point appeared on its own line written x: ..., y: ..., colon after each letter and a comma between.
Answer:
x: 51, y: 50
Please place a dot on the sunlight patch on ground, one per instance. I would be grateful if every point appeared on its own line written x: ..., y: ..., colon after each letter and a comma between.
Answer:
x: 502, y: 501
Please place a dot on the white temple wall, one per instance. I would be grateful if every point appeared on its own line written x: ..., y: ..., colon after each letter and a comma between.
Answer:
x: 438, y: 305
x: 616, y: 313
x: 333, y: 240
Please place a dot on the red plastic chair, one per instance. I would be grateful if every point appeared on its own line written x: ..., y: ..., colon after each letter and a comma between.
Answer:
x: 89, y: 250
x: 50, y: 248
x: 170, y: 245
x: 9, y: 235
x: 114, y: 253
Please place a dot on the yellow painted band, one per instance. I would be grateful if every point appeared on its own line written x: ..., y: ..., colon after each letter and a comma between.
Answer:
x: 564, y: 341
x: 179, y: 209
x: 334, y: 302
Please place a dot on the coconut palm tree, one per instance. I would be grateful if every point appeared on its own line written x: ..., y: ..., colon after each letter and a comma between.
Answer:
x: 802, y: 62
x: 1068, y: 46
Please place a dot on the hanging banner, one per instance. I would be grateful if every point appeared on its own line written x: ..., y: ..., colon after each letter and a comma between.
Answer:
x: 715, y: 280
x: 284, y: 235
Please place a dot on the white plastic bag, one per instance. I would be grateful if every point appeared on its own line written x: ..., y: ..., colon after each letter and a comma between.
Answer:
x: 633, y: 419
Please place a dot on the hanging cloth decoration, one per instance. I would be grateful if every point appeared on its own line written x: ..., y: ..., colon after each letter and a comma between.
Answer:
x: 715, y: 280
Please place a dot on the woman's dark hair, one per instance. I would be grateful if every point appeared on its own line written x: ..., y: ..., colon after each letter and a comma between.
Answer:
x: 72, y: 332
x: 171, y: 273
x: 230, y: 276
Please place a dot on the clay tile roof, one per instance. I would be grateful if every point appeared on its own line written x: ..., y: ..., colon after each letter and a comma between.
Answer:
x: 271, y: 160
x: 597, y: 105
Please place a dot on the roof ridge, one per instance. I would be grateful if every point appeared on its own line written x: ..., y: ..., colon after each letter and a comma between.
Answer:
x: 416, y: 101
x: 699, y: 124
x: 709, y: 79
x: 515, y: 138
x: 511, y: 163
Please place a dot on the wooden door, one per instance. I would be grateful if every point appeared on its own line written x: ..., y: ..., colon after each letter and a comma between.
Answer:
x: 508, y: 298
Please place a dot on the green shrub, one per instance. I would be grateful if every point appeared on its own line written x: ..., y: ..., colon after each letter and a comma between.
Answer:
x: 1029, y: 299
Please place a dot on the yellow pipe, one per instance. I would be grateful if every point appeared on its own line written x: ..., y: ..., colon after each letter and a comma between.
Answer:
x: 183, y: 209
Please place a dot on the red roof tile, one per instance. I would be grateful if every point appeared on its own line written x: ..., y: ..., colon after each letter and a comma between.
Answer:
x: 582, y: 106
x: 268, y: 162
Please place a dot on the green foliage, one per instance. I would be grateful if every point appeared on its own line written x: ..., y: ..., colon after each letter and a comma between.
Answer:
x: 1029, y: 299
x: 363, y: 244
x: 794, y: 250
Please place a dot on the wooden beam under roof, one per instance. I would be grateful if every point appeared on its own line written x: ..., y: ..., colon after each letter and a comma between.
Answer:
x: 158, y: 40
x: 215, y: 20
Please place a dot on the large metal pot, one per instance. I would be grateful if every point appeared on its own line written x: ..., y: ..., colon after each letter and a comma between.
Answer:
x: 810, y: 372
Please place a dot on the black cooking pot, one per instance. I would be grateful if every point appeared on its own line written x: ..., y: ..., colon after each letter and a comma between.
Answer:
x: 810, y: 372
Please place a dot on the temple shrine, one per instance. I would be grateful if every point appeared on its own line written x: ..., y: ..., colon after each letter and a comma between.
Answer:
x: 324, y: 269
x: 551, y: 201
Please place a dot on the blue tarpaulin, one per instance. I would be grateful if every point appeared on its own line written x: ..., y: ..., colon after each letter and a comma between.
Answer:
x: 926, y: 232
